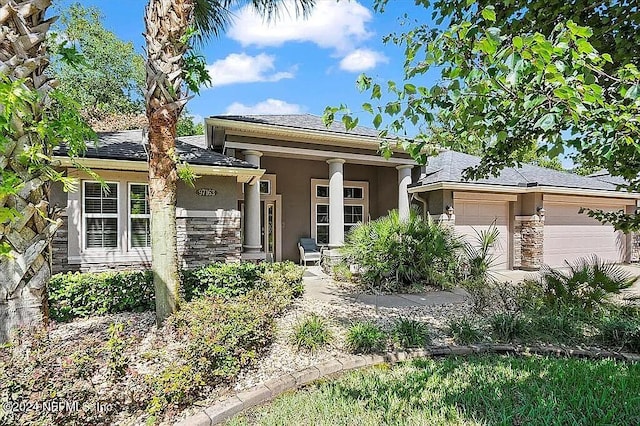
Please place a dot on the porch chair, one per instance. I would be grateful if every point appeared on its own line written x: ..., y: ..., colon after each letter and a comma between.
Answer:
x: 309, y: 251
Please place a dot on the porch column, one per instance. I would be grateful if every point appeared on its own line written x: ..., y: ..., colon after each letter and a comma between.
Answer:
x: 252, y: 239
x: 404, y: 180
x: 336, y: 202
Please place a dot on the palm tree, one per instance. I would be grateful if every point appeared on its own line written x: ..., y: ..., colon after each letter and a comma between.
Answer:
x: 168, y: 25
x: 24, y: 263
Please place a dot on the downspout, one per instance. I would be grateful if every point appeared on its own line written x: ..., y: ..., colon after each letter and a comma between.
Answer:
x: 425, y: 205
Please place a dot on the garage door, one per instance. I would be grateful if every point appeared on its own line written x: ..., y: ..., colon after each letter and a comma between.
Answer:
x: 473, y: 217
x: 569, y: 235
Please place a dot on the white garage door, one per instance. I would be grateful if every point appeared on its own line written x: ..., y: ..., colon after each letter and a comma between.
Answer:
x: 473, y: 217
x: 569, y: 235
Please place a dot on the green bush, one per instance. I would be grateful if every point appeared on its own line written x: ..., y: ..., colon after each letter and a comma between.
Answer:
x: 508, y: 327
x: 311, y: 333
x: 620, y: 330
x: 561, y: 324
x: 77, y: 294
x: 588, y: 284
x: 365, y: 337
x: 396, y: 255
x: 221, y: 279
x: 410, y: 333
x: 464, y: 331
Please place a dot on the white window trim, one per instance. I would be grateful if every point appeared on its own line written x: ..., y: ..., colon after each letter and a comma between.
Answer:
x: 326, y: 225
x: 131, y: 216
x: 315, y: 200
x: 85, y: 215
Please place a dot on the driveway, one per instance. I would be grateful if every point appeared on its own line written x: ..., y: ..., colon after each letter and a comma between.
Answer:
x: 517, y: 276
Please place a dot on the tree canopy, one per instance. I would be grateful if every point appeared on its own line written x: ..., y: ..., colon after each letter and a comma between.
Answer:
x: 506, y: 88
x: 109, y: 77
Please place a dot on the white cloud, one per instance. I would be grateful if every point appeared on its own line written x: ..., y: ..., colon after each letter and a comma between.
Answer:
x: 269, y: 106
x: 362, y: 60
x: 338, y: 25
x: 243, y: 68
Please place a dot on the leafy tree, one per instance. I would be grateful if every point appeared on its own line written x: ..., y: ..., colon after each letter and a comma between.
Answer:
x: 508, y: 91
x: 109, y: 78
x: 34, y: 118
x: 173, y: 69
x: 188, y: 127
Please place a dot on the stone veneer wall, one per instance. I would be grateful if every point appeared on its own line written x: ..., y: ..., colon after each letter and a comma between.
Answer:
x: 528, y: 242
x: 635, y: 247
x: 201, y: 240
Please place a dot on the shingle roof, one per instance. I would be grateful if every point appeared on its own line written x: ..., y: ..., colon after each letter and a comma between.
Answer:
x: 300, y: 121
x: 448, y: 166
x: 127, y: 145
x: 605, y: 176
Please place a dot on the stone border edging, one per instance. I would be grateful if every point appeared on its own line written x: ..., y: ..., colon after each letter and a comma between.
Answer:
x: 225, y: 409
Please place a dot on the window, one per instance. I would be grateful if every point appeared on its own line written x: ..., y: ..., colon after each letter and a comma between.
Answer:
x: 100, y: 208
x: 353, y: 193
x: 139, y: 215
x: 352, y: 215
x: 322, y: 223
x: 265, y: 187
x: 356, y: 207
x: 322, y: 191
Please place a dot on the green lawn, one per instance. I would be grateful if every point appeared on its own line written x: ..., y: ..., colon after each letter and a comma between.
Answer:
x: 483, y: 390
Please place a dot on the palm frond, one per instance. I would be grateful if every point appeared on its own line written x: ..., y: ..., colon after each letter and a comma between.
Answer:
x: 212, y: 17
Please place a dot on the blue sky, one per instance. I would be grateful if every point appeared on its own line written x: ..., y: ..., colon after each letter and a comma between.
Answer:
x: 290, y: 65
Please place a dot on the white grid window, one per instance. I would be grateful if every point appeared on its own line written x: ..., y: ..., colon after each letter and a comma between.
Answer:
x: 139, y: 216
x: 353, y: 214
x: 100, y: 209
x: 322, y: 223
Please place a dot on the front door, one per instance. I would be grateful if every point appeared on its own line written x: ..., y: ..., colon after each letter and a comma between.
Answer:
x: 268, y: 228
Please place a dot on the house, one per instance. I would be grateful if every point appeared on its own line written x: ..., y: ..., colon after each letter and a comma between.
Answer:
x: 269, y: 180
x: 535, y: 209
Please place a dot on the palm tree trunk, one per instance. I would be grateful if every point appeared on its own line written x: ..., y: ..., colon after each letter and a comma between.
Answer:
x: 25, y: 273
x: 166, y: 24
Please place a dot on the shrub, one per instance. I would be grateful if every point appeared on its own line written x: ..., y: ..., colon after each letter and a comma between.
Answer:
x: 221, y: 279
x: 395, y: 254
x: 311, y: 333
x: 556, y: 324
x: 620, y: 330
x: 464, y: 331
x: 76, y: 294
x: 365, y: 337
x: 117, y: 360
x: 341, y: 272
x: 588, y: 284
x: 507, y: 327
x: 410, y: 333
x: 477, y: 261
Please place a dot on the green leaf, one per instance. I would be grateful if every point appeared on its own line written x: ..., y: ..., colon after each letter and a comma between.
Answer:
x: 376, y: 92
x: 489, y: 13
x: 377, y: 121
x: 367, y: 107
x: 632, y: 92
x: 546, y: 122
x: 518, y: 42
x: 410, y: 88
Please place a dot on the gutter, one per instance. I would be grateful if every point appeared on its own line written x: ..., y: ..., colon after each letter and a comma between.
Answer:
x: 522, y: 190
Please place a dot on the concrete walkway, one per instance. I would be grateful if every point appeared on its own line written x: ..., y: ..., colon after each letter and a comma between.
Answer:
x: 319, y: 286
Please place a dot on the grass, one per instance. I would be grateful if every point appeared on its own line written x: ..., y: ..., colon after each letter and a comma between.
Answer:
x: 481, y: 390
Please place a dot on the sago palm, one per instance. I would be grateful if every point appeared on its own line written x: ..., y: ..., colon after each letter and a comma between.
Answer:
x: 169, y: 25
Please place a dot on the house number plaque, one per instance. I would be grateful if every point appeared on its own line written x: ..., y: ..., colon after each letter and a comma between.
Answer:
x: 206, y: 192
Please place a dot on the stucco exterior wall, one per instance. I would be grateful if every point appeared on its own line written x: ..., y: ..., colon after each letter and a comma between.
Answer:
x: 294, y: 184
